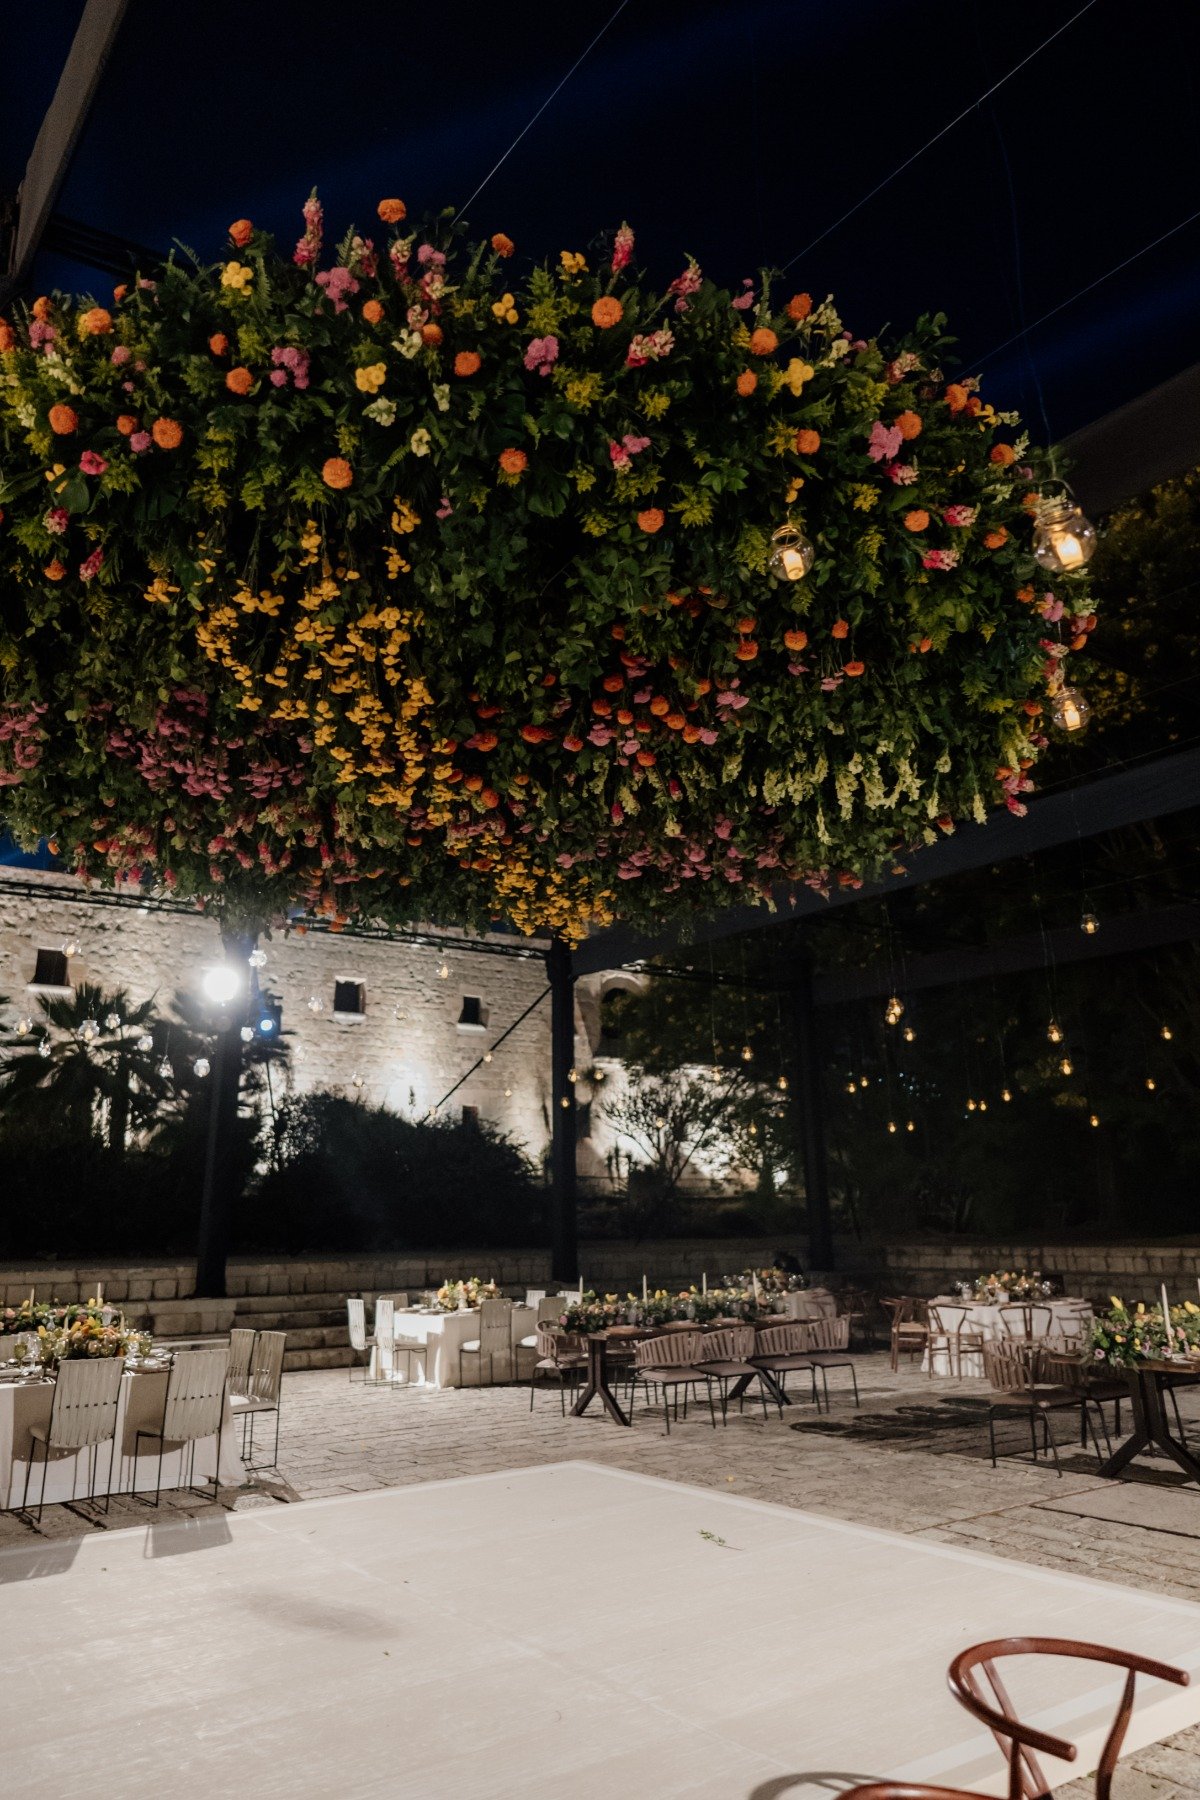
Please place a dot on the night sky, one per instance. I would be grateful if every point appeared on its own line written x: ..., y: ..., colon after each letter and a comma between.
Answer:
x: 737, y: 132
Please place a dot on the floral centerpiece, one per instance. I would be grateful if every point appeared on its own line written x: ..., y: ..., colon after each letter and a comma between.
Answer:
x: 770, y: 1281
x: 453, y: 1295
x: 1012, y: 1284
x: 1124, y: 1338
x: 377, y: 579
x: 84, y: 1335
x: 661, y: 1307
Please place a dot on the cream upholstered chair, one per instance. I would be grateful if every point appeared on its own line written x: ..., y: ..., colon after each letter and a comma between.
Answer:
x: 494, y: 1340
x: 83, y: 1416
x: 356, y: 1327
x: 533, y: 1296
x: 266, y: 1381
x: 383, y: 1341
x: 192, y: 1411
x: 241, y: 1351
x: 413, y: 1350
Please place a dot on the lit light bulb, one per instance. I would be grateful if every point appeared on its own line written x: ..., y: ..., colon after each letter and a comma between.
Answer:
x: 315, y: 1003
x: 112, y: 1021
x: 891, y: 1125
x: 597, y: 1074
x: 70, y: 947
x: 1067, y: 1066
x: 1151, y: 1084
x: 753, y: 1129
x: 782, y: 1084
x: 572, y: 1074
x: 1069, y: 710
x: 444, y: 972
x: 1166, y: 1034
x: 1094, y: 1120
x: 1054, y: 1032
x: 564, y: 1101
x: 893, y: 1012
x: 1006, y: 1095
x: 508, y: 1093
x: 257, y: 959
x: 89, y: 1031
x: 24, y: 1027
x: 1089, y: 924
x: 221, y: 983
x: 983, y: 1106
x: 863, y: 1080
x: 397, y: 1012
x: 852, y: 1087
x: 1064, y: 538
x: 201, y: 1067
x: 909, y: 1035
x: 356, y: 1079
x: 165, y: 1070
x: 44, y: 1048
x: 792, y: 556
x: 747, y: 1053
x: 970, y: 1106
x: 910, y: 1126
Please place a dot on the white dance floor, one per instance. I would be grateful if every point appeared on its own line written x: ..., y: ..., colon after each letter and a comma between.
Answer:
x: 569, y: 1630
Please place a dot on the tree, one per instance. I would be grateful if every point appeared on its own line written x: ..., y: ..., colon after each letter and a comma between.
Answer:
x: 92, y: 1057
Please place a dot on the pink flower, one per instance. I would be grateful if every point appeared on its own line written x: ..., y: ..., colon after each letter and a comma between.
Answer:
x: 885, y: 442
x: 398, y: 257
x: 445, y: 509
x: 542, y: 354
x: 903, y: 474
x: 140, y: 441
x: 91, y: 565
x: 690, y: 282
x: 289, y: 360
x: 429, y: 258
x: 120, y: 355
x: 831, y: 684
x: 745, y: 300
x: 278, y: 377
x: 336, y: 283
x: 309, y: 248
x: 40, y: 333
x: 962, y: 516
x: 649, y: 348
x: 92, y: 464
x: 940, y: 559
x: 622, y: 247
x: 57, y: 520
x: 629, y: 446
x: 1051, y: 609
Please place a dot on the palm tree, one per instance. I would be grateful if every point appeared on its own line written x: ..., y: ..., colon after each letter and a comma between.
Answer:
x: 90, y: 1055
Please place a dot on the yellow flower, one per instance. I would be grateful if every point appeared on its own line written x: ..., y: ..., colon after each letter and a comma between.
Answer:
x: 370, y: 379
x: 796, y: 374
x: 237, y: 276
x: 1190, y: 1306
x: 572, y: 262
x: 505, y: 310
x: 1119, y: 1305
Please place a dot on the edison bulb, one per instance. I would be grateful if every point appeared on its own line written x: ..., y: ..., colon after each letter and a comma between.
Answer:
x: 1054, y: 1032
x: 1067, y: 1066
x: 1006, y: 1094
x: 1151, y: 1084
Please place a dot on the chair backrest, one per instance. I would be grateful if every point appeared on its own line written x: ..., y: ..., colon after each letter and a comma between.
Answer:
x: 356, y: 1321
x: 949, y: 1320
x: 534, y: 1296
x: 828, y: 1333
x: 399, y: 1301
x: 266, y: 1368
x: 241, y: 1349
x: 84, y: 1408
x: 907, y: 1309
x: 1022, y: 1318
x: 972, y: 1668
x: 1009, y: 1363
x: 792, y: 1339
x: 734, y: 1343
x: 556, y: 1345
x: 495, y: 1327
x: 549, y: 1307
x: 385, y: 1322
x: 195, y: 1394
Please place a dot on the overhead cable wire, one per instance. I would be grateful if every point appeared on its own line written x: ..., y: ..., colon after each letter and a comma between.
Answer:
x: 581, y: 58
x: 939, y: 135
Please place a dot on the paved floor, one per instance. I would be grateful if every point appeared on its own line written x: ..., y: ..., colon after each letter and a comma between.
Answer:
x: 913, y: 1459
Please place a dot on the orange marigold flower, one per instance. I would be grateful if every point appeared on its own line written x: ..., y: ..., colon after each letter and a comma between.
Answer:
x: 167, y: 433
x: 241, y: 231
x: 763, y: 342
x: 646, y: 759
x: 8, y: 337
x: 660, y: 707
x: 336, y: 472
x: 747, y: 381
x: 54, y: 571
x: 95, y: 321
x: 795, y: 640
x: 994, y: 539
x: 747, y: 650
x: 925, y: 645
x: 841, y: 628
x: 502, y: 245
x: 1002, y: 454
x: 467, y: 362
x: 854, y: 668
x: 675, y: 721
x: 218, y: 343
x: 1032, y: 708
x: 808, y: 442
x: 607, y: 311
x: 799, y: 306
x: 908, y: 424
x: 119, y: 293
x: 1079, y: 642
x: 651, y: 520
x: 43, y: 306
x: 126, y: 424
x: 916, y: 520
x: 63, y: 420
x: 514, y: 462
x: 392, y: 211
x: 956, y: 396
x: 372, y: 311
x: 239, y: 380
x: 432, y: 334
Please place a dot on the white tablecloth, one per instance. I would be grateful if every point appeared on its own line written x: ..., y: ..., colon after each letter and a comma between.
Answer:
x: 809, y: 1303
x: 1065, y: 1310
x: 140, y: 1407
x: 444, y: 1334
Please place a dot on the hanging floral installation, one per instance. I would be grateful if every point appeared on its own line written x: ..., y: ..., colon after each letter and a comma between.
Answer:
x: 386, y: 584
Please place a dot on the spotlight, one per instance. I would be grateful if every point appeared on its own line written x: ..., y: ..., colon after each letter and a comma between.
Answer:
x: 222, y: 982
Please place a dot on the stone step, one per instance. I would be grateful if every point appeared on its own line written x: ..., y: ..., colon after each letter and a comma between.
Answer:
x: 289, y: 1303
x: 329, y: 1356
x: 287, y: 1319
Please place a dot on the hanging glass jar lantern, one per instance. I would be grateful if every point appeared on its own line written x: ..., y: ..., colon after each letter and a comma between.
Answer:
x: 1069, y: 710
x: 1054, y: 1032
x: 1089, y: 924
x: 1067, y: 1066
x: 792, y: 556
x: 1064, y: 538
x: 44, y: 1048
x: 201, y: 1066
x: 909, y: 1035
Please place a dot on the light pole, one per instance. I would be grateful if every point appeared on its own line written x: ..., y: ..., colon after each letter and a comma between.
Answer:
x: 226, y: 989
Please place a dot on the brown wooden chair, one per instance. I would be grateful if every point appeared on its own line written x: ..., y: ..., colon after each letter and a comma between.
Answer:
x: 952, y: 1335
x: 972, y: 1668
x: 1013, y: 1368
x: 910, y: 1327
x: 1026, y: 1319
x: 561, y: 1354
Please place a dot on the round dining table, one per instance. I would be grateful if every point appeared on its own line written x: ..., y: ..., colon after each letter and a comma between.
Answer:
x: 1069, y: 1317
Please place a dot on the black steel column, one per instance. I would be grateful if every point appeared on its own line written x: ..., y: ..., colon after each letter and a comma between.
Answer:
x: 565, y: 1224
x: 808, y: 1111
x: 216, y: 1199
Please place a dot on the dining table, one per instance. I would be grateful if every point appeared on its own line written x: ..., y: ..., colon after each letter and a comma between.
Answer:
x: 597, y: 1384
x: 1068, y: 1316
x: 26, y: 1399
x: 1149, y: 1384
x: 443, y: 1334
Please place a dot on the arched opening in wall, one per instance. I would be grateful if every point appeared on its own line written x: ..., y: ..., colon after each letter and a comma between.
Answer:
x: 620, y: 994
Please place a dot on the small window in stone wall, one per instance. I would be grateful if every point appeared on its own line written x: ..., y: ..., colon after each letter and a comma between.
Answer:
x: 470, y: 1116
x: 583, y: 1120
x: 50, y: 970
x: 473, y: 1016
x: 349, y: 999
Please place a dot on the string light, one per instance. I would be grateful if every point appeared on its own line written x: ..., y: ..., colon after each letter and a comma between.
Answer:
x: 444, y: 972
x: 508, y: 1093
x: 1094, y: 1120
x: 572, y: 1075
x: 487, y: 1056
x: 747, y: 1053
x: 356, y: 1079
x: 24, y: 1027
x: 852, y: 1087
x: 112, y: 1021
x: 165, y: 1070
x: 1054, y: 1032
x: 1006, y: 1095
x: 909, y: 1035
x: 1089, y: 924
x: 863, y: 1080
x: 1067, y: 1066
x: 1166, y: 1034
x: 70, y: 947
x: 257, y: 959
x: 247, y: 1034
x: 44, y: 1048
x: 315, y: 1003
x: 564, y: 1102
x: 891, y: 1124
x: 782, y: 1084
x: 1151, y: 1084
x: 89, y: 1031
x: 970, y: 1106
x: 597, y: 1074
x: 983, y: 1106
x: 910, y: 1126
x: 398, y: 1012
x: 145, y: 1042
x: 893, y: 1012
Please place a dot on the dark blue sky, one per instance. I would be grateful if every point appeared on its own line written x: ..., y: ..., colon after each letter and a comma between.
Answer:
x: 737, y: 130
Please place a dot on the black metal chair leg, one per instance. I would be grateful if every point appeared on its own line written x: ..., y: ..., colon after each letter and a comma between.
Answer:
x: 992, y: 1433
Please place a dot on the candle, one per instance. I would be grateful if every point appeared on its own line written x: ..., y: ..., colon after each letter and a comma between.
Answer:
x: 645, y: 1291
x: 31, y: 1299
x: 99, y: 1293
x: 1166, y: 1312
x: 754, y: 1278
x: 704, y: 1279
x: 581, y: 1290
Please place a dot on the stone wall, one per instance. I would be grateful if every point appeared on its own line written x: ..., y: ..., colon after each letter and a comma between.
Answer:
x: 1133, y: 1271
x: 407, y: 1049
